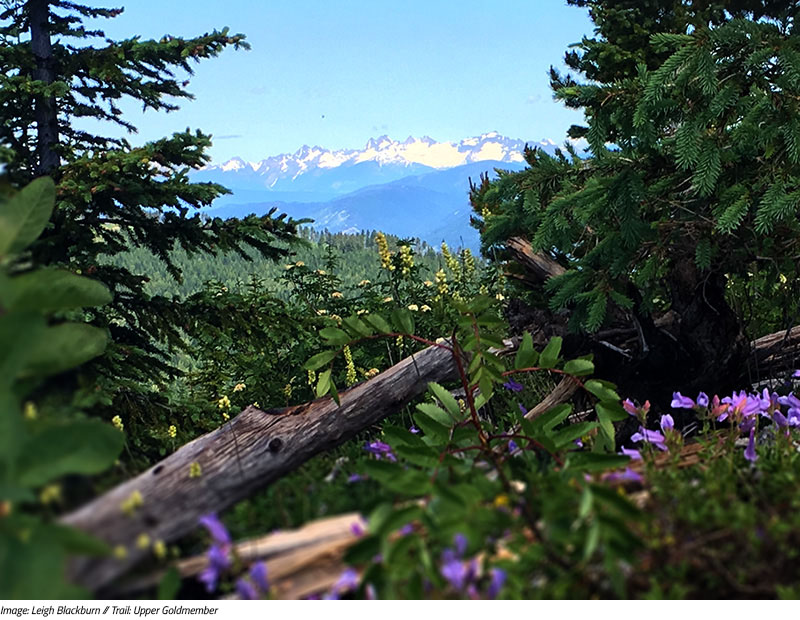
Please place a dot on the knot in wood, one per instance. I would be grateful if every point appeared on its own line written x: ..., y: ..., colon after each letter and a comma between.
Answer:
x: 275, y: 444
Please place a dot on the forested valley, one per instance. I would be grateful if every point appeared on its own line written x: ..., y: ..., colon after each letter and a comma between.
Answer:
x: 599, y: 405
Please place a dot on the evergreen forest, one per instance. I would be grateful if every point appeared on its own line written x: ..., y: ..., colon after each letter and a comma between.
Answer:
x: 601, y: 405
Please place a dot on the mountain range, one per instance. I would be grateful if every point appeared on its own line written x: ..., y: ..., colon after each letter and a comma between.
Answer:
x: 414, y: 188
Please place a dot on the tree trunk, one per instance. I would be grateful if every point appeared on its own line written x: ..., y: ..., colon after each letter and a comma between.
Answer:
x: 254, y: 449
x: 46, y: 112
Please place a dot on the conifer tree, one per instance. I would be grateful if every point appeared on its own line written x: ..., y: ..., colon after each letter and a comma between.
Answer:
x: 691, y: 177
x: 55, y: 72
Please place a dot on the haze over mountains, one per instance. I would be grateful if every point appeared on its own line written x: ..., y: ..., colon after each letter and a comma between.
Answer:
x: 414, y: 188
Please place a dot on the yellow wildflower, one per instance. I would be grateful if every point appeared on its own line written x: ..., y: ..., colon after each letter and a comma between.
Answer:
x: 51, y: 493
x: 117, y: 422
x: 441, y: 282
x: 500, y: 297
x: 322, y: 312
x: 388, y: 299
x: 256, y: 405
x: 360, y: 312
x: 312, y: 377
x: 468, y: 260
x: 299, y: 264
x: 143, y: 541
x: 372, y: 372
x: 406, y: 259
x: 451, y: 261
x: 336, y: 295
x: 364, y: 283
x: 226, y: 416
x: 224, y: 403
x: 350, y: 378
x: 172, y: 431
x: 239, y: 387
x: 120, y: 552
x: 195, y: 471
x: 287, y: 390
x: 425, y: 308
x: 134, y: 501
x: 501, y: 501
x: 485, y: 213
x: 322, y: 272
x: 428, y: 283
x: 399, y: 341
x: 383, y: 252
x: 288, y: 267
x: 413, y: 307
x: 30, y: 412
x: 160, y: 549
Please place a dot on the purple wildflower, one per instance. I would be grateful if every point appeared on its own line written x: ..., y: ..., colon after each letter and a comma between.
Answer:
x: 702, y: 399
x: 372, y: 594
x: 413, y: 430
x: 455, y: 572
x: 626, y: 475
x: 217, y: 530
x: 667, y: 423
x: 681, y: 402
x: 633, y: 453
x: 628, y: 406
x: 258, y: 573
x: 381, y: 450
x: 218, y: 562
x: 522, y: 409
x: 796, y: 373
x: 750, y: 451
x: 648, y: 436
x: 497, y: 580
x: 347, y: 581
x: 578, y: 442
x: 357, y: 529
x: 407, y: 529
x: 355, y: 478
x: 460, y: 542
x: 512, y: 446
x: 513, y: 386
x: 246, y: 590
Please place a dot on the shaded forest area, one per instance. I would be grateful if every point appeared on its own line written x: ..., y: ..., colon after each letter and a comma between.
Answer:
x: 602, y: 406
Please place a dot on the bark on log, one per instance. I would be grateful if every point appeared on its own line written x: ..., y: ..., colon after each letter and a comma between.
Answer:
x: 252, y: 450
x: 540, y: 266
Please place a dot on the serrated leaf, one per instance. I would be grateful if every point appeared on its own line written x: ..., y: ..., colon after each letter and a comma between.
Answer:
x: 526, y: 357
x: 447, y: 399
x: 81, y: 447
x: 436, y: 413
x: 431, y: 427
x: 47, y: 290
x: 579, y: 367
x: 25, y: 215
x: 549, y: 356
x: 319, y: 360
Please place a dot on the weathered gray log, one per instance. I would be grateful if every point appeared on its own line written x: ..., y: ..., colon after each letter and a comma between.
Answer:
x: 252, y: 450
x: 538, y: 266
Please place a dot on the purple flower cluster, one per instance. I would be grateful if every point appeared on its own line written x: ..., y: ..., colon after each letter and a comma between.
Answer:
x: 463, y: 574
x: 381, y: 450
x: 220, y: 560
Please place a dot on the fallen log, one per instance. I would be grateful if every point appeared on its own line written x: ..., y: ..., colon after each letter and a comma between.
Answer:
x: 248, y: 453
x: 538, y: 266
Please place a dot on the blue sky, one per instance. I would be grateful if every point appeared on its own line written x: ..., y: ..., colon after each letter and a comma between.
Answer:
x: 335, y: 74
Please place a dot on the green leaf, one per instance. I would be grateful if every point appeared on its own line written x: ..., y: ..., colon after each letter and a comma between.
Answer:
x: 552, y: 417
x: 63, y: 347
x: 81, y: 447
x: 169, y: 585
x: 549, y: 356
x: 527, y: 357
x: 397, y: 480
x: 335, y: 336
x: 19, y: 334
x: 379, y: 323
x: 602, y: 389
x: 24, y: 216
x: 579, y: 367
x: 323, y: 383
x: 447, y: 399
x: 431, y: 427
x: 357, y: 326
x: 566, y: 436
x: 404, y: 320
x: 76, y: 541
x: 48, y: 290
x: 319, y: 360
x: 612, y: 410
x: 424, y: 456
x: 594, y: 461
x: 436, y: 413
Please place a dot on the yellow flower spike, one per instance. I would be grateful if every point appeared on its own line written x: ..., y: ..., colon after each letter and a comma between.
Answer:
x: 30, y: 412
x: 195, y: 471
x: 312, y: 377
x: 120, y: 552
x: 239, y: 387
x: 441, y: 282
x: 224, y: 403
x: 172, y: 431
x: 383, y: 251
x: 350, y: 378
x: 226, y: 416
x: 117, y: 422
x: 160, y: 549
x: 406, y: 260
x: 287, y: 390
x: 468, y: 261
x: 143, y: 541
x: 50, y: 493
x: 399, y: 341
